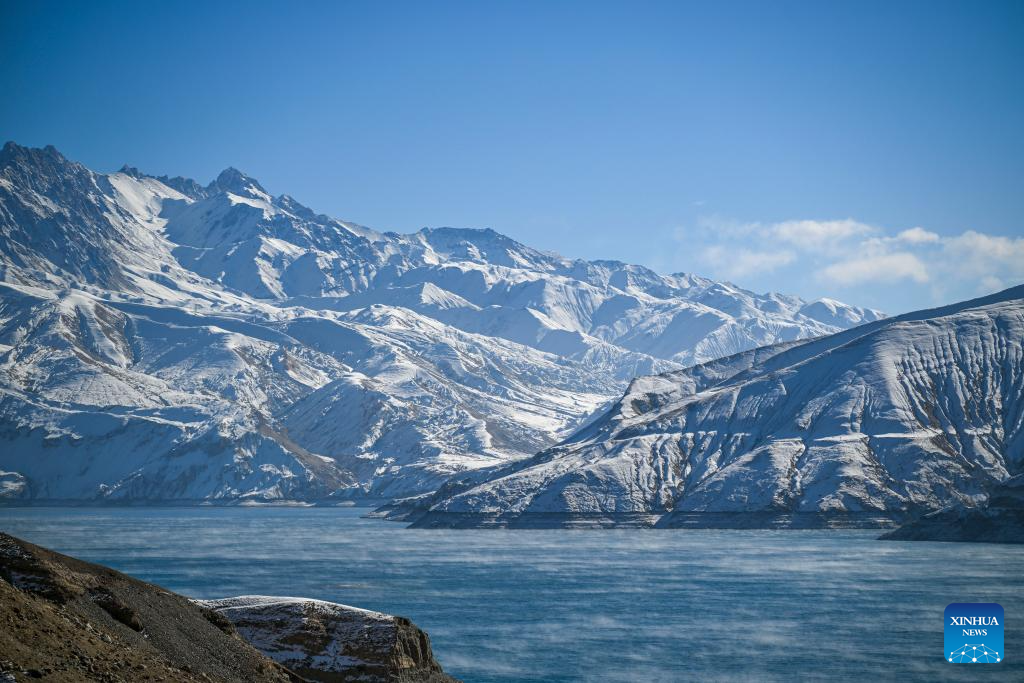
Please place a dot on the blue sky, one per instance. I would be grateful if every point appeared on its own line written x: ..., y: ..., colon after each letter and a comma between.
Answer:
x: 871, y: 152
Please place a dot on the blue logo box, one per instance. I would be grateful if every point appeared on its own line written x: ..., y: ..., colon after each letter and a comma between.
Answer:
x: 974, y: 633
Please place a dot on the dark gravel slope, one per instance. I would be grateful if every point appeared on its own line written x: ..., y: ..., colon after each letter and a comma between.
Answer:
x: 62, y: 619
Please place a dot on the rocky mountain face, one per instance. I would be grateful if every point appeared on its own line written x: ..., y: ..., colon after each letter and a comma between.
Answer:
x: 325, y: 641
x: 1000, y: 519
x: 165, y: 340
x: 68, y: 620
x: 886, y: 420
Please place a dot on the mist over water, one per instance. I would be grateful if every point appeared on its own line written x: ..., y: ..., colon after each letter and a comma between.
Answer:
x: 586, y: 605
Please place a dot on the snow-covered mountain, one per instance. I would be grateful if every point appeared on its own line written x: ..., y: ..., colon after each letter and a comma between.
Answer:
x: 900, y: 416
x: 160, y: 339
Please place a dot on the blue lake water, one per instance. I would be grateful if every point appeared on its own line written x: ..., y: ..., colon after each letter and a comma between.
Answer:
x: 584, y: 605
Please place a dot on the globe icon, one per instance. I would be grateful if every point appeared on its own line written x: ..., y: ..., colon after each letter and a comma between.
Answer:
x: 974, y: 654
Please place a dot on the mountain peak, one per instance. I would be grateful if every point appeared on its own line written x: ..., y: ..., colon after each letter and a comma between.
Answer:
x: 43, y: 168
x: 48, y: 154
x: 234, y: 181
x: 131, y: 171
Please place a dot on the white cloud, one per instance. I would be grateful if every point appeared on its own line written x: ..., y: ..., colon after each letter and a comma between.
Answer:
x: 738, y: 263
x: 819, y: 235
x: 979, y: 255
x: 989, y: 284
x: 884, y: 267
x: 852, y: 260
x: 918, y: 236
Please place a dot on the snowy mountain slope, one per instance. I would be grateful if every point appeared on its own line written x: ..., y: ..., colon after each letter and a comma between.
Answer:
x: 571, y: 307
x: 907, y: 414
x: 161, y: 339
x: 426, y: 401
x: 100, y: 402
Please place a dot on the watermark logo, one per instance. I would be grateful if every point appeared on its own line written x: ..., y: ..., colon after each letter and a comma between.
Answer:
x: 974, y: 633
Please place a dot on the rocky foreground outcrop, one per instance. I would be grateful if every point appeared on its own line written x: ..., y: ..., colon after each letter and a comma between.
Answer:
x: 325, y: 641
x: 1001, y: 520
x: 63, y: 619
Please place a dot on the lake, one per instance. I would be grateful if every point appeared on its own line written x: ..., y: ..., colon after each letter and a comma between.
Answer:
x: 581, y: 605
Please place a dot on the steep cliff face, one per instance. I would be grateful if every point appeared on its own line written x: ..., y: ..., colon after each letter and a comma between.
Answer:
x: 895, y: 417
x: 67, y: 620
x: 325, y: 641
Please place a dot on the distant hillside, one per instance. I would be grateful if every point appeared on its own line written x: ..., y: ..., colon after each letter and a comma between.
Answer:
x: 892, y: 418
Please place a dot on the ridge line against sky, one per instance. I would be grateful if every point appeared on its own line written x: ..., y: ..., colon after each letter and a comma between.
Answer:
x: 868, y: 152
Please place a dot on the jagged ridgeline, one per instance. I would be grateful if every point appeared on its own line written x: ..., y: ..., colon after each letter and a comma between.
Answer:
x: 165, y: 340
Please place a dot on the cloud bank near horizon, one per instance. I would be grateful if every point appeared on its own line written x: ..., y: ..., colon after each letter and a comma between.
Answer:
x: 871, y: 265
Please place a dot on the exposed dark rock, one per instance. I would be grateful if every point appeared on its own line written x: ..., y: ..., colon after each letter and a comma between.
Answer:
x: 63, y: 619
x: 116, y: 608
x: 1000, y: 521
x: 328, y: 642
